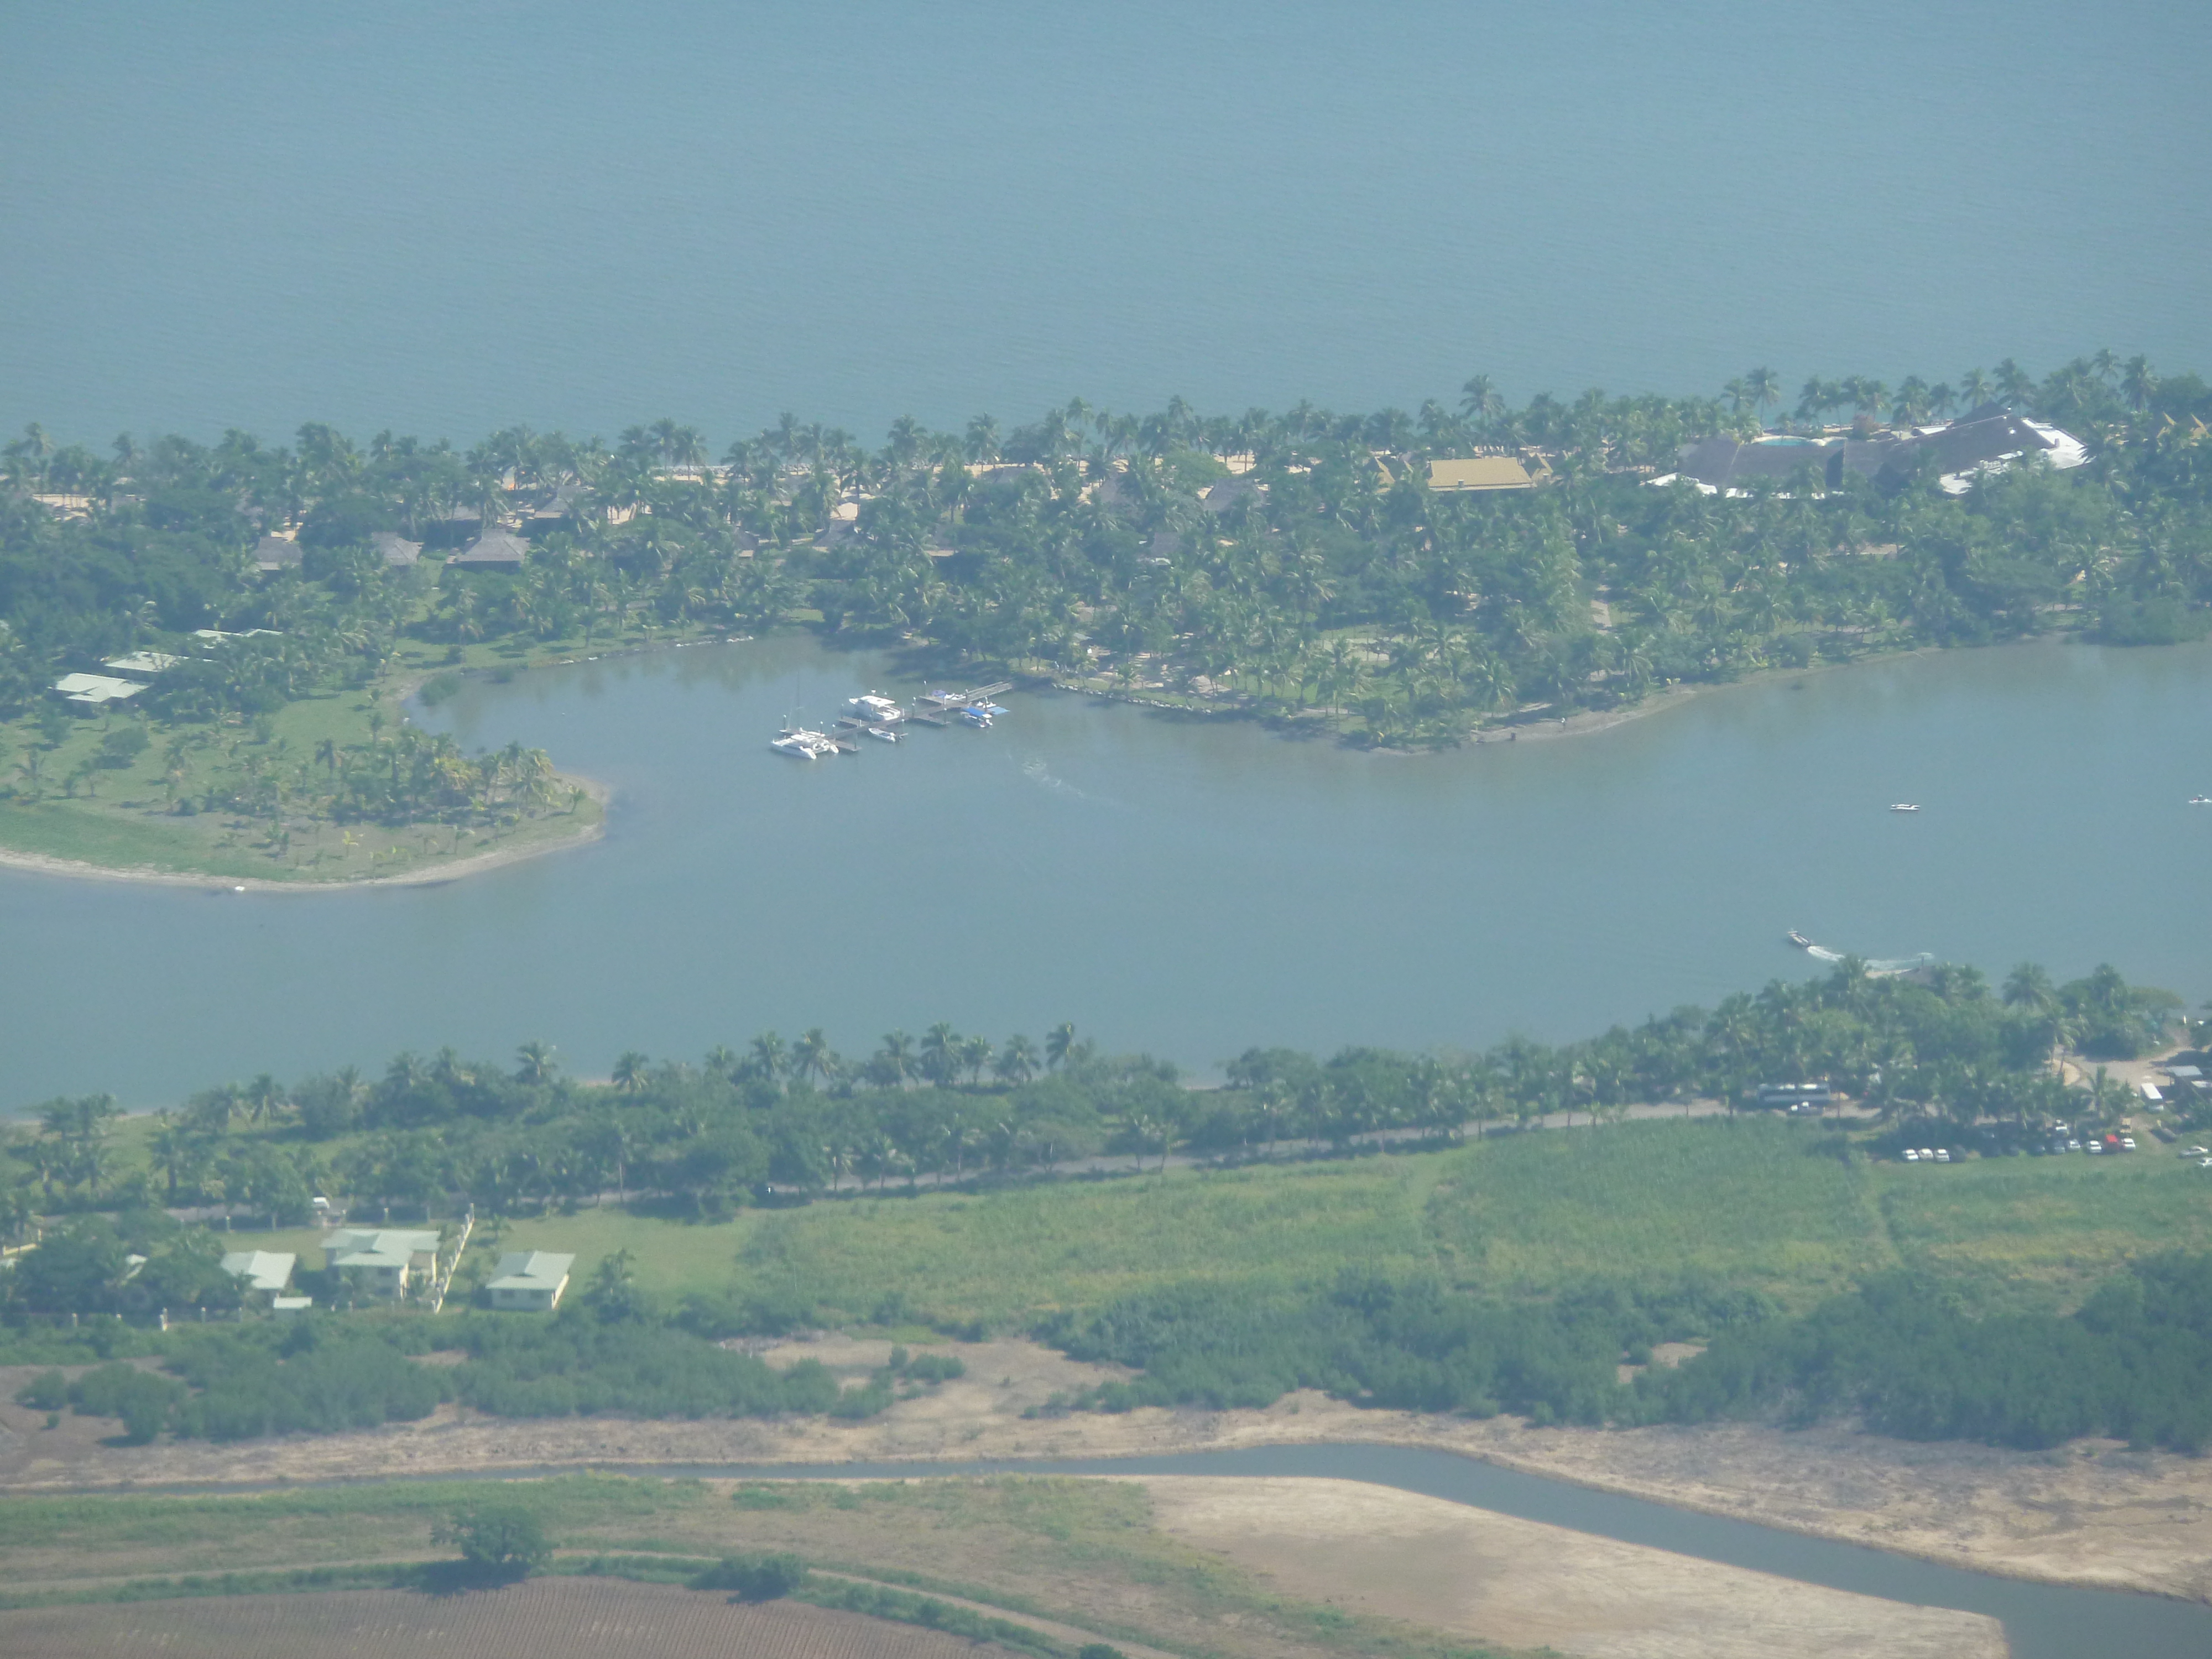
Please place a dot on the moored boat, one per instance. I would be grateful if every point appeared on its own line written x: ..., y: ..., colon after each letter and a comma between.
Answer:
x: 800, y: 744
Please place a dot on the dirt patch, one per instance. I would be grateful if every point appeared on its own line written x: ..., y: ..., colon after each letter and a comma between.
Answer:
x: 545, y: 1618
x: 1443, y: 1565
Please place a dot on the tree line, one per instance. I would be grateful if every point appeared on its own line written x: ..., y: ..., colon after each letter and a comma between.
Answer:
x: 1944, y: 1061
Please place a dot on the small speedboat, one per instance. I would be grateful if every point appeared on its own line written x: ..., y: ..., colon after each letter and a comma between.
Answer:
x: 885, y: 732
x: 1800, y: 940
x: 2200, y: 800
x: 1903, y: 806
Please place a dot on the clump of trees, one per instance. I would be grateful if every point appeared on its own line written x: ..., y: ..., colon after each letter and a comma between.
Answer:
x: 1899, y: 1355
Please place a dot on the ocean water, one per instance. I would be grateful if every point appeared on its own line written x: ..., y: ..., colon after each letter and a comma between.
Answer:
x: 442, y: 218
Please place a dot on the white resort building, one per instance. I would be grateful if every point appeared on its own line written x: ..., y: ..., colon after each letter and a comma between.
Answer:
x: 529, y: 1281
x: 380, y: 1261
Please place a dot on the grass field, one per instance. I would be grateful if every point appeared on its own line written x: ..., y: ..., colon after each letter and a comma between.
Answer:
x: 1762, y: 1203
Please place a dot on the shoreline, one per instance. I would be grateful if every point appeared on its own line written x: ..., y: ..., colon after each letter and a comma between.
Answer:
x: 428, y: 875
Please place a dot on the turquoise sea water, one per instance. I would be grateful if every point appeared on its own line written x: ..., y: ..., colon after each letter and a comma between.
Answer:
x: 444, y: 218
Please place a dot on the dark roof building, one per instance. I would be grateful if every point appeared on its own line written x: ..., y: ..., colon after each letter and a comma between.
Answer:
x: 497, y: 548
x: 394, y: 548
x: 276, y: 553
x: 1985, y: 441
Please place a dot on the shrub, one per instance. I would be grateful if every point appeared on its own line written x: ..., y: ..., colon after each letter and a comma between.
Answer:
x: 755, y: 1577
x: 498, y: 1539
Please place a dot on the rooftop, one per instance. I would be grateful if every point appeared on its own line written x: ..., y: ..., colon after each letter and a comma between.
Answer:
x: 143, y: 662
x: 497, y: 545
x: 97, y: 688
x: 262, y: 1270
x: 1480, y: 472
x: 274, y: 552
x: 395, y: 548
x: 532, y: 1270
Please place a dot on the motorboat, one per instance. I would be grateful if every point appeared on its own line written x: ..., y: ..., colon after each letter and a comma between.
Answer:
x: 976, y: 715
x: 1800, y: 940
x: 800, y: 744
x: 882, y: 732
x: 2200, y: 800
x: 875, y: 709
x: 1903, y: 806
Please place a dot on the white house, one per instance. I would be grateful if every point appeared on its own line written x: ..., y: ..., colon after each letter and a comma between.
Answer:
x: 262, y: 1270
x: 530, y: 1281
x: 380, y: 1261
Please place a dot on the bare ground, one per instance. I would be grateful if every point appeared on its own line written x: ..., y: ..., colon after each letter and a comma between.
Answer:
x: 544, y: 1618
x: 1447, y: 1567
x: 2094, y: 1514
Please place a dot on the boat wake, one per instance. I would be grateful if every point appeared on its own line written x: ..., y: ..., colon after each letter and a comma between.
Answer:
x: 1873, y: 964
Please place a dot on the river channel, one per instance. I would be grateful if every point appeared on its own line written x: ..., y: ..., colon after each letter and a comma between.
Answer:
x: 1187, y: 886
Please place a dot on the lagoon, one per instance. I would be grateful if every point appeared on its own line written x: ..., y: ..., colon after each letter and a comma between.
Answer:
x: 1189, y: 886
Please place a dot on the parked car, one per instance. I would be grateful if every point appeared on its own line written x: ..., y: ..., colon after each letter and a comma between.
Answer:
x: 2127, y: 1143
x: 1911, y: 1156
x: 1942, y: 1154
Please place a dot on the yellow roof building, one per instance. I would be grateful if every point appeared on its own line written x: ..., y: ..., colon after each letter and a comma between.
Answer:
x: 1481, y: 472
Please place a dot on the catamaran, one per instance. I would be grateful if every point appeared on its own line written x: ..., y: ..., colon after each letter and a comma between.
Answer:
x: 800, y: 744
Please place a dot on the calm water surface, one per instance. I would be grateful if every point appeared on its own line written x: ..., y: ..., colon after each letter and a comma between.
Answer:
x: 1187, y: 887
x: 447, y: 218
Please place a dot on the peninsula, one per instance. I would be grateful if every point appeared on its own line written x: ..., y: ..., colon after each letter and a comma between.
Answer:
x: 204, y: 652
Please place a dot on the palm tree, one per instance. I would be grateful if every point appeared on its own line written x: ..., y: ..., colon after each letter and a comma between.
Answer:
x: 1765, y: 388
x: 2137, y: 384
x: 630, y: 1070
x: 1974, y: 388
x: 1057, y: 1043
x: 1017, y: 1062
x: 769, y: 1058
x: 810, y: 1056
x: 940, y: 1053
x: 896, y: 1058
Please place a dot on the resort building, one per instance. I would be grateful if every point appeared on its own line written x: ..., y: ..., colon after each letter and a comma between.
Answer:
x: 529, y: 1281
x: 395, y: 548
x: 142, y: 662
x: 1983, y: 442
x: 498, y: 548
x: 1480, y: 472
x: 97, y: 689
x: 261, y: 1270
x: 274, y: 552
x: 380, y: 1261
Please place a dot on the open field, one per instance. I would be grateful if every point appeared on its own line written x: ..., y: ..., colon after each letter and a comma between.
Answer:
x: 1467, y: 1570
x: 1762, y: 1203
x: 545, y: 1618
x: 1083, y: 1556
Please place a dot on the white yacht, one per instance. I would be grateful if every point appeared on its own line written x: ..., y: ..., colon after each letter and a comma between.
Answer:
x: 800, y: 744
x: 875, y: 709
x: 1903, y: 806
x: 882, y: 732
